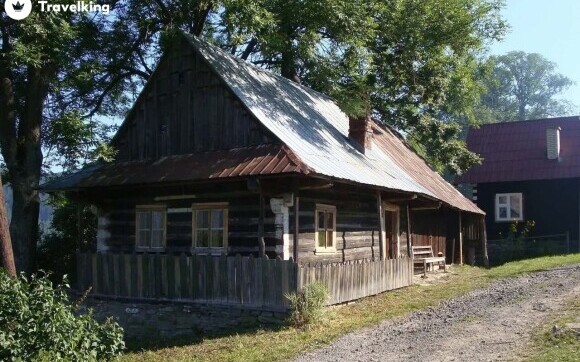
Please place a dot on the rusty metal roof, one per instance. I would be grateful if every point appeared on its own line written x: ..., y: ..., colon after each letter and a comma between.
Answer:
x: 392, y: 143
x: 516, y: 151
x: 316, y: 130
x: 311, y: 126
x: 264, y: 159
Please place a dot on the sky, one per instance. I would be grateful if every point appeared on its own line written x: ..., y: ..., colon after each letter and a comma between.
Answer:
x: 547, y: 27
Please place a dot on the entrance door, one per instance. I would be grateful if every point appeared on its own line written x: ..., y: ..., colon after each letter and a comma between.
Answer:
x: 391, y: 231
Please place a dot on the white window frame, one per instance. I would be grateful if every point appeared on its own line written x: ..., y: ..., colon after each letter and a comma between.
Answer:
x: 508, y: 205
x: 209, y: 206
x: 327, y: 249
x: 150, y: 208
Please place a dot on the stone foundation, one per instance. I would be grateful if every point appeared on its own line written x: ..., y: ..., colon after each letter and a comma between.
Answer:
x: 171, y: 320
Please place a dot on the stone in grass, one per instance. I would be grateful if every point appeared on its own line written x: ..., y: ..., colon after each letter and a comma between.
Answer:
x: 575, y: 328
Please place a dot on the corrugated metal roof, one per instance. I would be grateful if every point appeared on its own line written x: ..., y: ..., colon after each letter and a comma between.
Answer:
x: 316, y: 130
x: 265, y: 159
x: 390, y: 142
x: 516, y: 151
x: 313, y: 129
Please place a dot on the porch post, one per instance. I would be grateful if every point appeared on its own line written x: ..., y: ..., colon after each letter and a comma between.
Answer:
x: 381, y: 226
x: 296, y: 223
x: 484, y: 242
x: 460, y: 239
x: 409, y: 241
x: 261, y: 242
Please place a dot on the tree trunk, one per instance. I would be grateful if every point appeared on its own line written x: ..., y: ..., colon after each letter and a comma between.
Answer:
x: 5, y: 242
x: 21, y: 148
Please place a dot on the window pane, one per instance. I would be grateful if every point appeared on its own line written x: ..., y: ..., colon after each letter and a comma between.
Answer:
x: 202, y: 238
x: 329, y: 238
x: 321, y: 239
x: 144, y: 218
x: 217, y: 219
x: 329, y: 221
x: 157, y: 220
x: 217, y: 238
x: 144, y: 238
x: 515, y: 206
x: 502, y: 212
x: 321, y: 225
x: 202, y: 219
x: 157, y: 239
x: 502, y: 200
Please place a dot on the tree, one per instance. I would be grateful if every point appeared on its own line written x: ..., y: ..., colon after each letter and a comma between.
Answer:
x: 522, y: 86
x: 407, y: 62
x: 5, y: 242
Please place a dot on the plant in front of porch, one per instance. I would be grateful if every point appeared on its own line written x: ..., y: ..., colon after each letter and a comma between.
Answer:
x: 307, y: 306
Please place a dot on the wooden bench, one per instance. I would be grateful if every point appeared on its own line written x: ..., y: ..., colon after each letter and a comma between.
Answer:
x: 424, y: 255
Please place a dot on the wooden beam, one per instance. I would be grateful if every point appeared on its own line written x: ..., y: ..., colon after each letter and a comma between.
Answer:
x: 460, y: 239
x: 296, y: 224
x: 409, y: 241
x: 484, y: 242
x: 401, y: 199
x: 381, y: 226
x: 261, y: 242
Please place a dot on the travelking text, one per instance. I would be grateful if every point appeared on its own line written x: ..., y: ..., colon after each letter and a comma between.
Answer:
x: 78, y: 7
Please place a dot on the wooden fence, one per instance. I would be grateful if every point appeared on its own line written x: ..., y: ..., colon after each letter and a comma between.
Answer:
x: 238, y: 280
x: 232, y: 280
x: 358, y: 279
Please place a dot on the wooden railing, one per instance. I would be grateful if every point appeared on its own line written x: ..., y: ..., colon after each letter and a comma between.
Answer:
x: 238, y: 280
x: 357, y: 279
x: 232, y: 280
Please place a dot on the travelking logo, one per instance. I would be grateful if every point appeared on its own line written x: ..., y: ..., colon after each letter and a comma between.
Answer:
x: 20, y: 9
x: 78, y: 7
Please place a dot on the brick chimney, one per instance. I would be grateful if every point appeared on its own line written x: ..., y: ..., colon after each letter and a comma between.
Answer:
x: 553, y: 143
x: 360, y: 130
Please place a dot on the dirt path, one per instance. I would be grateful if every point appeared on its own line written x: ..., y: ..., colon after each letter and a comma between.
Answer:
x: 488, y: 324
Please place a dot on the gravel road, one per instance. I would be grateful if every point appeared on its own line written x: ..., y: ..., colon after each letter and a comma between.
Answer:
x: 488, y: 324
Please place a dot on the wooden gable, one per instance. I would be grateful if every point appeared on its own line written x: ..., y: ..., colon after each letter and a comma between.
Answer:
x: 186, y: 108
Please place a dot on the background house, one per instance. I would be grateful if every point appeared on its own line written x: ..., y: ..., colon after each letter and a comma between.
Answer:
x: 530, y: 172
x: 233, y: 185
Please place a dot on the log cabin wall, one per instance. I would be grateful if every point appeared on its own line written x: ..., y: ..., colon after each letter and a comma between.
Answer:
x: 357, y: 225
x: 117, y: 218
x: 430, y: 227
x: 185, y: 108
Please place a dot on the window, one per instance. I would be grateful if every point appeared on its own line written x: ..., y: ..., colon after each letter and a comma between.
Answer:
x: 325, y: 225
x: 150, y: 227
x: 508, y: 207
x: 210, y: 225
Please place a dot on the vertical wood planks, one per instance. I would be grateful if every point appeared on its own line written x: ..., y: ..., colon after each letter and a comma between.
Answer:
x: 257, y: 282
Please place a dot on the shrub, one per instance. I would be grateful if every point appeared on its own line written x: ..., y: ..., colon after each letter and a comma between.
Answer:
x: 37, y: 322
x: 307, y: 306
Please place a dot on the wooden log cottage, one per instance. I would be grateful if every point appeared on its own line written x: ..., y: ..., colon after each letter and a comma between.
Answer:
x: 233, y: 185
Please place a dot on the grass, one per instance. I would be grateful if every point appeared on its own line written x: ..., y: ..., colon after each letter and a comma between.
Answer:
x: 548, y: 347
x: 286, y: 342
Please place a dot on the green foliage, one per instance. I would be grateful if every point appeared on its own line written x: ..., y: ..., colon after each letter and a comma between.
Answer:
x: 37, y: 322
x: 412, y: 64
x: 307, y: 306
x: 73, y: 227
x: 521, y: 86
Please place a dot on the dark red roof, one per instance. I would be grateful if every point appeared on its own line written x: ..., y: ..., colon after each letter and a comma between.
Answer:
x: 516, y: 151
x: 258, y: 160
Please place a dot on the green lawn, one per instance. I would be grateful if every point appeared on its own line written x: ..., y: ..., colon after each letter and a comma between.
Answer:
x: 284, y: 343
x: 550, y: 347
